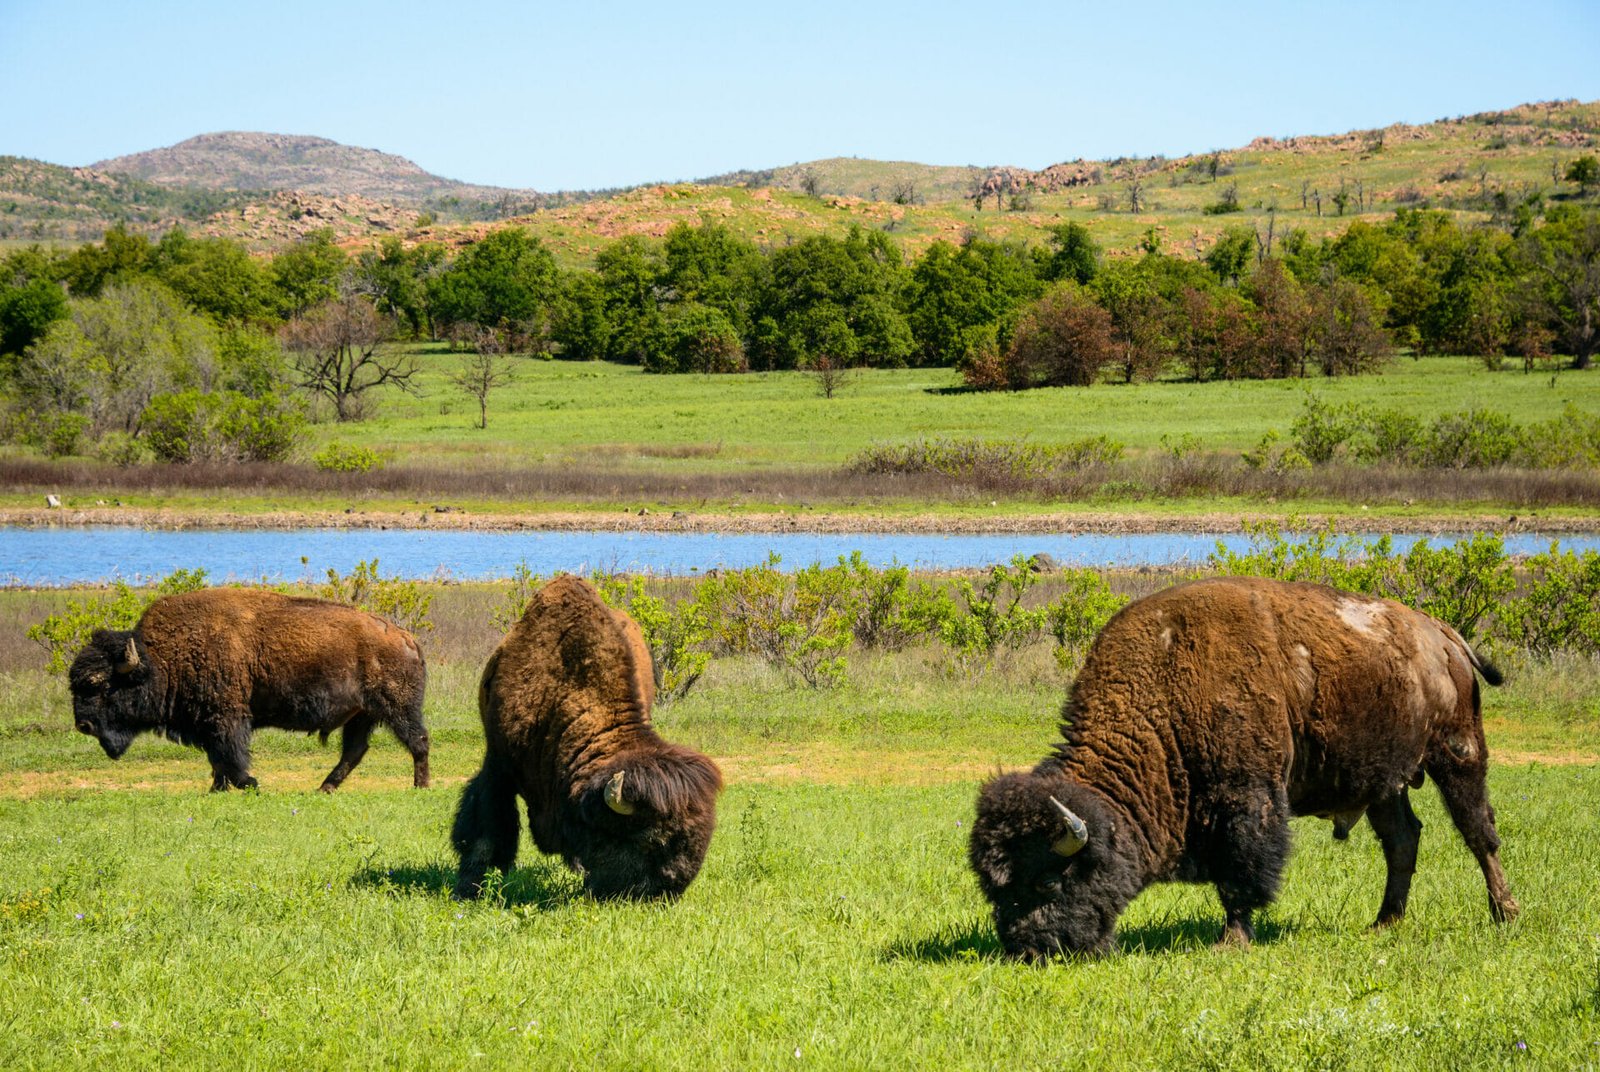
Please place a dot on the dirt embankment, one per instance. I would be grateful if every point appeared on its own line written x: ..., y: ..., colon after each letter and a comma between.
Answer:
x: 451, y: 518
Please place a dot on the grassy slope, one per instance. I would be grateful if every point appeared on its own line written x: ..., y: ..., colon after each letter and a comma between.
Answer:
x: 146, y: 924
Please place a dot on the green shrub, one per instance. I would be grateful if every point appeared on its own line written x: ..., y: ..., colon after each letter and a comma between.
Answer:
x: 676, y: 633
x: 801, y: 623
x: 191, y: 426
x: 990, y: 615
x: 1559, y: 609
x: 1472, y: 439
x: 403, y: 602
x: 1078, y: 614
x: 62, y: 635
x: 1571, y: 440
x: 1322, y: 428
x: 524, y: 582
x: 347, y: 458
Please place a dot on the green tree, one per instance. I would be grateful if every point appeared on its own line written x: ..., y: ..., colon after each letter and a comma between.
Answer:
x: 629, y: 273
x: 691, y: 337
x: 214, y: 275
x: 1562, y: 265
x: 26, y: 313
x: 307, y: 273
x: 1585, y: 171
x: 1073, y: 254
x: 835, y: 297
x: 397, y: 280
x: 1232, y: 254
x: 120, y: 258
x: 508, y: 278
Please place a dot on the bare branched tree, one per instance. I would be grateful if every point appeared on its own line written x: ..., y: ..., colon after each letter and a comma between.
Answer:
x: 1136, y: 194
x: 829, y: 375
x: 335, y: 351
x: 484, y: 370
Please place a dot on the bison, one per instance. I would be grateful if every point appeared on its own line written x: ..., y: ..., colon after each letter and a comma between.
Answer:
x: 1205, y: 716
x: 208, y: 668
x: 565, y: 701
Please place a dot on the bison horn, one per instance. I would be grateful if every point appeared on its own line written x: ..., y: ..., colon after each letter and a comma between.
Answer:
x: 130, y: 658
x: 1077, y: 835
x: 614, y: 799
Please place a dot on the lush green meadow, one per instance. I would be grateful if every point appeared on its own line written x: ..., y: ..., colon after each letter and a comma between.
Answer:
x: 600, y: 412
x: 144, y: 923
x: 608, y: 436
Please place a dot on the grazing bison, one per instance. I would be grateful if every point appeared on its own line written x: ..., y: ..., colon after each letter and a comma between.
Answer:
x: 565, y: 702
x: 208, y: 668
x: 1205, y: 716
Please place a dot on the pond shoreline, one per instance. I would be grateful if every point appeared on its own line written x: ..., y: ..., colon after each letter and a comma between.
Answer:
x: 802, y: 521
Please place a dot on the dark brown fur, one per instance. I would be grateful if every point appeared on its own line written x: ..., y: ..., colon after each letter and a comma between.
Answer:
x: 214, y: 666
x: 1208, y: 714
x: 565, y: 701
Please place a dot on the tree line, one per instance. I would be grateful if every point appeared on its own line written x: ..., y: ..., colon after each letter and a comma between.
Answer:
x: 250, y: 348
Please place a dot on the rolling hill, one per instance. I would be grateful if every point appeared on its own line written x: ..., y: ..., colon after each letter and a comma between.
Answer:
x: 269, y: 189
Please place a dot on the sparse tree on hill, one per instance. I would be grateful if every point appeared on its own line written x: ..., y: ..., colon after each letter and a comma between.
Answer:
x: 334, y: 351
x: 810, y: 185
x: 1585, y: 171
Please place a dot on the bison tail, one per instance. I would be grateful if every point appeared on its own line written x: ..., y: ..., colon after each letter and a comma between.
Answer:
x: 1491, y: 673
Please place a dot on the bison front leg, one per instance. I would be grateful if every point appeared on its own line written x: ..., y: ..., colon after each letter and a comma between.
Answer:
x: 230, y: 760
x: 487, y: 828
x: 1252, y: 847
x: 1399, y: 831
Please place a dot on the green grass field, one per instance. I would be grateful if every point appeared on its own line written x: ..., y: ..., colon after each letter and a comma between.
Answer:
x: 635, y: 436
x: 144, y: 923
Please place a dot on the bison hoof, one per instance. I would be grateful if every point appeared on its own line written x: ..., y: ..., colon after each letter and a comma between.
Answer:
x: 327, y: 787
x: 1504, y: 911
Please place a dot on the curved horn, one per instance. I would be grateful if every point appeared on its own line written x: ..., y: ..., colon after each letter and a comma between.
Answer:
x: 1077, y: 835
x: 614, y: 799
x: 130, y: 658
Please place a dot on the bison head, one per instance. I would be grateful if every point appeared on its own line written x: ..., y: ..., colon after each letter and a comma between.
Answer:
x: 112, y: 690
x: 640, y: 827
x: 1053, y: 862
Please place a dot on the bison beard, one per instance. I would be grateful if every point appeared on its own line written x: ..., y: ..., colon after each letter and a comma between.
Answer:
x: 565, y: 702
x: 1204, y: 718
x: 209, y: 668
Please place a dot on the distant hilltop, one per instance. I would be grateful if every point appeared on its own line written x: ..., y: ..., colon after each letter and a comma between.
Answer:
x: 240, y: 160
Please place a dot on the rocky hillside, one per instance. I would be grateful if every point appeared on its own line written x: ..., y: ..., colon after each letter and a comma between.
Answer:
x: 247, y: 161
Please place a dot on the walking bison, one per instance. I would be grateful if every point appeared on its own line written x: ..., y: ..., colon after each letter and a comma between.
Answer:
x: 565, y: 701
x: 1205, y: 716
x: 209, y: 668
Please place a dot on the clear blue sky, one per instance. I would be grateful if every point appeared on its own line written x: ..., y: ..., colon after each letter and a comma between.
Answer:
x: 582, y: 95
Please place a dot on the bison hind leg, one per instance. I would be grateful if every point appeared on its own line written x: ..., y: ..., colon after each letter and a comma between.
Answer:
x: 1459, y: 768
x: 486, y: 827
x: 353, y: 741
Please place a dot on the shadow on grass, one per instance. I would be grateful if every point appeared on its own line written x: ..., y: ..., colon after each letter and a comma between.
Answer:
x: 1189, y: 934
x: 970, y: 941
x: 978, y: 941
x: 957, y: 389
x: 540, y: 885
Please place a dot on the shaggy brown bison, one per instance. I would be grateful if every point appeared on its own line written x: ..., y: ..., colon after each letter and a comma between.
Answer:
x: 1205, y: 716
x: 208, y: 668
x: 565, y: 702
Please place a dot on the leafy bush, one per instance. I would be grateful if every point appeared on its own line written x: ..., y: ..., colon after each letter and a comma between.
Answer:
x: 990, y: 615
x: 403, y: 602
x: 1321, y: 428
x: 1078, y: 615
x: 1559, y: 610
x: 340, y: 457
x: 1471, y: 439
x: 192, y: 426
x: 62, y: 635
x: 676, y: 633
x: 801, y: 623
x: 984, y: 458
x: 524, y: 582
